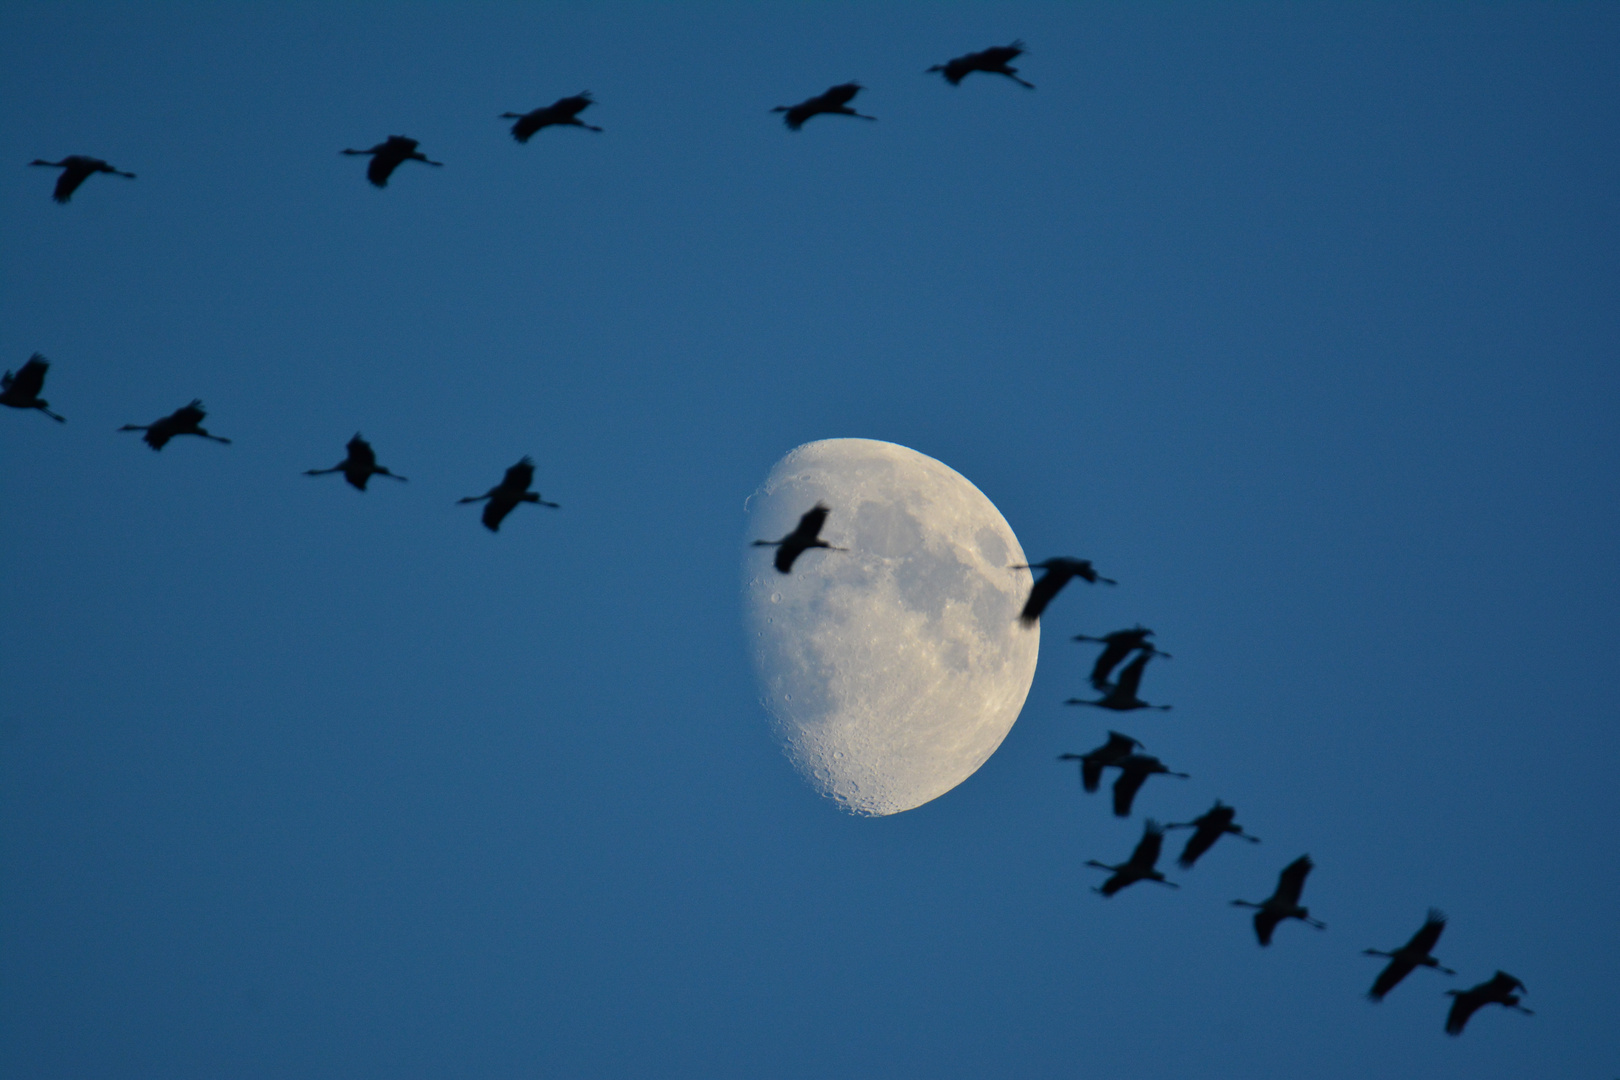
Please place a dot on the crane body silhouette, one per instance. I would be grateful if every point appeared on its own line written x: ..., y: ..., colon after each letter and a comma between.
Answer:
x: 1059, y: 572
x: 76, y: 169
x: 1116, y: 647
x: 1409, y: 957
x: 995, y: 60
x: 1497, y: 990
x: 1284, y: 903
x: 389, y: 155
x: 1134, y: 770
x: 834, y: 101
x: 1093, y: 762
x: 359, y: 466
x: 20, y: 389
x: 1141, y: 866
x: 1121, y: 696
x: 1214, y: 823
x: 805, y: 535
x: 186, y: 420
x: 564, y: 112
x: 504, y: 497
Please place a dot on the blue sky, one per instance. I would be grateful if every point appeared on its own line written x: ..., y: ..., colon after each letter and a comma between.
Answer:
x: 1300, y: 320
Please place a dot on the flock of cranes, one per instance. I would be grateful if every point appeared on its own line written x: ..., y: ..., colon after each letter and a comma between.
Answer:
x: 1127, y: 754
x: 22, y: 390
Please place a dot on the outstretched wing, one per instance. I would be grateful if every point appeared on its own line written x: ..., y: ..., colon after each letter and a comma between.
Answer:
x: 1291, y: 882
x: 1389, y: 979
x: 1112, y: 654
x: 840, y: 95
x: 1465, y: 1003
x: 1125, y: 788
x: 1040, y: 594
x: 1147, y: 850
x: 1428, y: 935
x: 1202, y: 839
x: 69, y: 182
x: 810, y: 524
x: 519, y: 476
x: 1130, y: 679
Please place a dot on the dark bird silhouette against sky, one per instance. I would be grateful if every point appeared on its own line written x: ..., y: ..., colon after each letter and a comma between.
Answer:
x: 359, y: 467
x: 1134, y: 769
x: 505, y: 496
x: 1117, y: 646
x: 1284, y: 903
x: 390, y: 155
x: 805, y: 535
x: 832, y: 102
x: 76, y: 169
x: 186, y: 420
x: 1093, y: 762
x: 21, y: 389
x: 1409, y: 957
x: 1215, y: 823
x: 1141, y: 866
x: 995, y: 60
x: 1498, y: 990
x: 564, y: 112
x: 1058, y: 573
x: 1121, y: 696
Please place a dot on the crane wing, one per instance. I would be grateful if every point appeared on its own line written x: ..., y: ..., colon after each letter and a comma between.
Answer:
x: 1291, y: 882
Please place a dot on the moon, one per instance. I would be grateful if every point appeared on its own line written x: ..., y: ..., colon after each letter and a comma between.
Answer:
x: 893, y: 670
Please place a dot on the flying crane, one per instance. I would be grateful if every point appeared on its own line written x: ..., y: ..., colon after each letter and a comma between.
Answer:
x: 1134, y: 770
x: 1117, y: 646
x: 1141, y: 866
x: 76, y: 169
x: 186, y: 420
x: 504, y: 497
x: 359, y: 466
x: 1214, y: 823
x: 390, y: 155
x: 1284, y: 902
x: 834, y: 101
x: 1093, y: 762
x: 1058, y: 574
x: 1498, y: 990
x: 1121, y: 696
x: 564, y: 112
x: 805, y: 535
x: 21, y: 389
x: 992, y: 61
x: 1409, y: 957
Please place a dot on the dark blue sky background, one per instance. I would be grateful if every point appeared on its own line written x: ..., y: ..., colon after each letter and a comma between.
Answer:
x: 1300, y: 320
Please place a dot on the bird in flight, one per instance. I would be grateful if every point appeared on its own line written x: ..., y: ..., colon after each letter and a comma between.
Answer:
x: 805, y: 535
x: 1121, y: 696
x: 186, y: 420
x: 390, y: 155
x: 1213, y: 824
x: 1134, y: 769
x: 834, y: 101
x: 1409, y: 957
x: 505, y: 496
x: 76, y: 169
x: 1058, y: 573
x: 1497, y: 991
x: 1284, y: 903
x: 992, y: 61
x: 1093, y: 762
x: 1117, y: 646
x: 359, y: 467
x: 564, y: 112
x: 21, y: 389
x: 1141, y: 866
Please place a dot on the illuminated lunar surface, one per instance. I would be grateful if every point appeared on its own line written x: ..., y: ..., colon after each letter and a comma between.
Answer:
x: 893, y: 670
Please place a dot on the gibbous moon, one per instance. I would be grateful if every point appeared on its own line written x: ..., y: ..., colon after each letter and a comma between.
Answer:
x: 895, y: 669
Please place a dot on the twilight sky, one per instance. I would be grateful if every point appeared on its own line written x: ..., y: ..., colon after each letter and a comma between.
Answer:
x: 1300, y: 320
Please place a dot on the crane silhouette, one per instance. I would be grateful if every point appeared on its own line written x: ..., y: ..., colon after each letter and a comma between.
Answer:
x: 1409, y: 957
x: 1121, y: 696
x: 1117, y: 646
x: 186, y: 420
x: 1134, y: 769
x: 359, y: 467
x: 390, y: 155
x: 1058, y: 574
x: 805, y: 535
x: 992, y: 61
x: 1141, y: 866
x: 76, y: 169
x: 1213, y: 824
x: 1093, y: 762
x: 834, y: 101
x: 504, y: 497
x: 1284, y: 903
x: 564, y: 112
x: 21, y: 389
x: 1498, y: 990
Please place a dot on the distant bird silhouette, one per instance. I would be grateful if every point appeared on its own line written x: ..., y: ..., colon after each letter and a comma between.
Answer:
x: 834, y: 101
x: 186, y: 420
x: 359, y: 467
x: 76, y: 169
x: 991, y: 61
x: 1093, y: 762
x: 564, y: 112
x: 805, y: 535
x: 390, y: 155
x: 1058, y: 573
x: 21, y: 389
x: 505, y: 496
x: 1414, y: 954
x: 1497, y: 991
x: 1215, y: 823
x: 1121, y: 696
x: 1117, y: 646
x: 1141, y: 866
x: 1134, y: 769
x: 1284, y: 903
